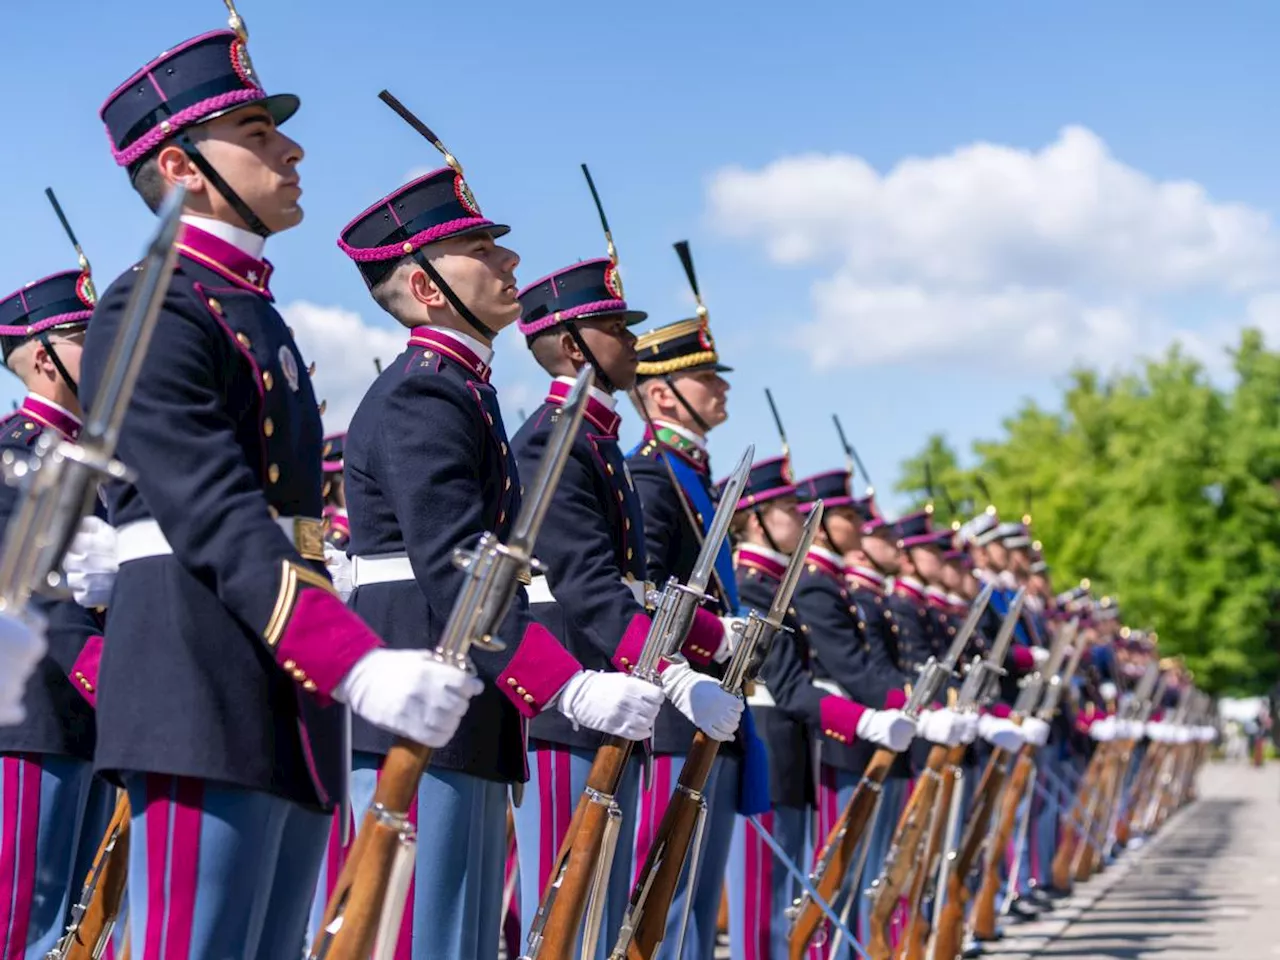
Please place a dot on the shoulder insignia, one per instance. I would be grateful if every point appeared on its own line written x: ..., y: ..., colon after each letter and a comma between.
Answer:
x: 24, y: 432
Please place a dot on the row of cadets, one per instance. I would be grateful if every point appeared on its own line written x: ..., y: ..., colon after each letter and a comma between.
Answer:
x: 594, y: 591
x: 683, y: 396
x: 227, y: 651
x: 788, y: 709
x: 850, y: 662
x: 54, y: 809
x: 337, y: 529
x: 428, y: 469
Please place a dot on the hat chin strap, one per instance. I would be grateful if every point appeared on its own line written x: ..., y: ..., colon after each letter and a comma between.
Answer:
x: 251, y: 219
x: 58, y: 364
x: 463, y: 311
x: 773, y: 544
x: 602, y: 378
x: 702, y: 424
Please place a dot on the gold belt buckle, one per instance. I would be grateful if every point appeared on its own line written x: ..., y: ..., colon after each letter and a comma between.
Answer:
x: 308, y: 538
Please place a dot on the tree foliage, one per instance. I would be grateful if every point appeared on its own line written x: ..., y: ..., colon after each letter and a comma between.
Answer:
x: 1161, y: 487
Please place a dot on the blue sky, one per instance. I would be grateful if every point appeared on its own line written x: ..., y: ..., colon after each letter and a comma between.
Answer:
x: 857, y: 251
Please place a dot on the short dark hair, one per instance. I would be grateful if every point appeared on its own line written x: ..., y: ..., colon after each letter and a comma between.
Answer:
x: 148, y: 182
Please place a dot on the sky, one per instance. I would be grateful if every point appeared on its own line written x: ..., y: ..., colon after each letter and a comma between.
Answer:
x: 916, y: 216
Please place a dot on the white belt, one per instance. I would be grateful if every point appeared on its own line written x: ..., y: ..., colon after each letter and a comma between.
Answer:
x: 144, y: 538
x: 760, y: 696
x: 539, y: 590
x: 831, y: 687
x: 388, y: 568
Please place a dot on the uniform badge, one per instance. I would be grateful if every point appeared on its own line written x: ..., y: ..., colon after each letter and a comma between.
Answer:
x: 84, y: 290
x: 242, y: 65
x: 466, y: 197
x: 788, y: 477
x: 613, y: 281
x: 289, y: 365
x: 704, y: 335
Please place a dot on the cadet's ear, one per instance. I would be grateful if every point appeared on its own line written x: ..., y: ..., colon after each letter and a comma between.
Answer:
x: 176, y: 167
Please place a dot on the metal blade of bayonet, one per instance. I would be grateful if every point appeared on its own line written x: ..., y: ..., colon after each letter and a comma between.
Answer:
x: 1142, y: 691
x: 534, y: 509
x: 1157, y: 697
x: 1004, y: 637
x: 1057, y: 651
x: 719, y: 528
x: 787, y: 588
x: 976, y: 610
x: 1077, y: 651
x: 124, y: 362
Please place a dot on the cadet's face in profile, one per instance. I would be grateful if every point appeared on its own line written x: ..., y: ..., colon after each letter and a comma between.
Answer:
x: 259, y: 163
x: 883, y: 554
x: 707, y: 392
x: 614, y: 346
x: 784, y: 524
x: 482, y: 274
x: 928, y: 563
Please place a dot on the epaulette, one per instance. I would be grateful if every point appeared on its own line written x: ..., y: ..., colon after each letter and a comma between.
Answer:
x: 21, y: 430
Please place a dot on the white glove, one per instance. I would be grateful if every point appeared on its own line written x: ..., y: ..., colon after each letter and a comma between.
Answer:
x: 1002, y: 734
x: 22, y: 644
x: 612, y: 703
x: 969, y: 727
x: 1156, y: 731
x: 1103, y: 730
x: 339, y: 566
x: 1036, y: 731
x: 1207, y: 734
x: 732, y: 636
x: 888, y: 728
x: 1184, y: 735
x: 1108, y: 690
x: 943, y: 727
x: 708, y: 706
x: 1040, y: 655
x: 90, y: 563
x: 410, y: 693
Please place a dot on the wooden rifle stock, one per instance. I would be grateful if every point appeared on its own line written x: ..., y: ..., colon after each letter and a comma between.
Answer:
x: 904, y: 854
x: 564, y: 900
x: 915, y: 939
x: 1074, y: 830
x: 984, y: 906
x: 361, y: 890
x: 111, y: 864
x: 838, y: 850
x: 655, y: 886
x: 950, y: 924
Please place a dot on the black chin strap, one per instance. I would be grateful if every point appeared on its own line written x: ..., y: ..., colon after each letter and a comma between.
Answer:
x: 58, y: 364
x: 241, y: 208
x: 702, y: 424
x: 463, y: 311
x: 773, y: 544
x: 602, y: 378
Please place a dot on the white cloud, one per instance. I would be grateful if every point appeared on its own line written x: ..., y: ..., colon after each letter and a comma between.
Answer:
x: 343, y: 347
x: 1041, y: 257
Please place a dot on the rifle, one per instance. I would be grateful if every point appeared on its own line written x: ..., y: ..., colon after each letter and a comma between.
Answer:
x: 950, y: 922
x: 644, y: 924
x: 838, y: 850
x: 1142, y: 780
x: 583, y: 864
x: 984, y: 908
x: 61, y: 484
x: 368, y: 900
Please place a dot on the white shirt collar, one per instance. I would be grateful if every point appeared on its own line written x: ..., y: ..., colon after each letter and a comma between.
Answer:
x: 867, y: 573
x: 485, y: 353
x: 1007, y: 580
x: 57, y: 406
x: 827, y: 555
x: 956, y: 600
x: 763, y: 551
x: 246, y: 241
x: 699, y: 441
x: 913, y: 583
x: 608, y: 399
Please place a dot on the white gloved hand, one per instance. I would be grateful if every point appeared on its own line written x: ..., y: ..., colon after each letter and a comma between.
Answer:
x: 409, y: 693
x: 1108, y: 690
x: 1040, y: 655
x: 732, y: 637
x: 699, y: 697
x: 968, y: 727
x: 1003, y: 734
x: 943, y: 727
x: 1155, y: 730
x: 1184, y: 735
x: 612, y: 703
x: 90, y: 563
x: 1208, y: 734
x: 1103, y: 730
x: 1036, y: 731
x: 22, y: 644
x: 339, y: 566
x: 888, y: 728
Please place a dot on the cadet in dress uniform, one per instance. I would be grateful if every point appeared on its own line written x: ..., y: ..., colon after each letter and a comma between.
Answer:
x: 428, y: 470
x: 337, y: 531
x: 844, y: 665
x: 680, y: 384
x: 55, y: 810
x: 225, y: 644
x: 593, y: 549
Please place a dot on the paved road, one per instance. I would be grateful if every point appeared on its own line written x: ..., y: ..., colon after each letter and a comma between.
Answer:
x: 1208, y: 887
